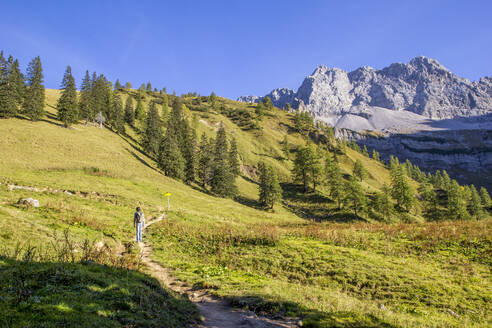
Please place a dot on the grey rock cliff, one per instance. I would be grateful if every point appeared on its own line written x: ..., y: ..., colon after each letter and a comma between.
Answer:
x: 422, y: 86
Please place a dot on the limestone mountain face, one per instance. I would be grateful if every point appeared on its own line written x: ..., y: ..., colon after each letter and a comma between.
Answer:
x: 422, y: 86
x: 421, y: 110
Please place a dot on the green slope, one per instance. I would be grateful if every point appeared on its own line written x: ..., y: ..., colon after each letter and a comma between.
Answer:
x: 278, y: 262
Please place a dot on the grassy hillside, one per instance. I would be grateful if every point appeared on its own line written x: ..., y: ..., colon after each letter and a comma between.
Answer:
x: 283, y: 262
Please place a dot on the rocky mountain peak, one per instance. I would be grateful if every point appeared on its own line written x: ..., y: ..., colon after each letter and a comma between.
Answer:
x: 422, y: 86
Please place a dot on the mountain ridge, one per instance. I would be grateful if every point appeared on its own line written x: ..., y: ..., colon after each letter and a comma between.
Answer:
x: 422, y: 86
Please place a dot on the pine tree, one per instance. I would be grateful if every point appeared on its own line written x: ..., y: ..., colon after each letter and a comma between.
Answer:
x: 128, y: 85
x: 68, y: 106
x: 129, y: 112
x: 287, y: 107
x: 270, y: 191
x: 300, y: 171
x: 188, y: 149
x: 149, y: 87
x: 375, y: 155
x: 475, y: 207
x: 365, y: 151
x: 268, y: 103
x: 170, y: 159
x: 16, y: 86
x: 117, y: 85
x: 260, y: 111
x: 223, y: 181
x: 316, y: 165
x: 86, y: 101
x: 4, y: 82
x: 118, y: 114
x: 165, y: 108
x: 33, y: 105
x: 485, y: 197
x: 382, y: 202
x: 213, y: 100
x: 430, y: 201
x: 205, y: 155
x: 153, y: 134
x: 359, y: 171
x: 286, y: 147
x: 234, y: 158
x: 139, y: 110
x: 355, y: 196
x: 456, y: 205
x: 401, y: 191
x: 334, y: 180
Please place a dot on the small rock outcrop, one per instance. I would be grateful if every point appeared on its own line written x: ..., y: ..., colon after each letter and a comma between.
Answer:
x: 28, y: 202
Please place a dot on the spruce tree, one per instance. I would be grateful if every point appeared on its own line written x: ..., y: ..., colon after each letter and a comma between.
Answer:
x: 33, y: 105
x: 188, y: 149
x: 485, y: 197
x: 152, y: 136
x: 270, y: 191
x: 117, y: 85
x: 139, y: 110
x: 170, y: 159
x: 375, y: 155
x: 430, y: 201
x: 129, y: 111
x: 268, y: 103
x: 475, y: 207
x: 355, y: 197
x: 165, y: 108
x: 16, y: 86
x: 300, y: 171
x: 223, y: 182
x: 204, y: 165
x: 213, y: 100
x: 456, y: 204
x: 234, y: 158
x: 68, y: 106
x: 382, y: 202
x: 86, y: 101
x: 401, y: 191
x: 359, y: 171
x: 118, y: 122
x: 4, y: 82
x: 286, y: 147
x: 149, y: 87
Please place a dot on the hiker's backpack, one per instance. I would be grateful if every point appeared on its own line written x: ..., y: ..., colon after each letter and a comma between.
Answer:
x: 139, y: 217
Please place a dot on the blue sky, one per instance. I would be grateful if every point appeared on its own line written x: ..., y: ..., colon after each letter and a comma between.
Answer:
x: 242, y: 47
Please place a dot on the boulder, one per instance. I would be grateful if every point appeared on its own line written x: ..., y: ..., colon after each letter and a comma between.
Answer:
x: 29, y: 202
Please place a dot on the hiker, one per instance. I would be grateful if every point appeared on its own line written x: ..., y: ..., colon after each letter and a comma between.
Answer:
x: 139, y: 223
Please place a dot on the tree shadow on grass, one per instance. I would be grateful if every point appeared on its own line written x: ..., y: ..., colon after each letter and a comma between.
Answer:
x: 313, y: 206
x: 141, y: 160
x: 49, y: 294
x: 310, y: 317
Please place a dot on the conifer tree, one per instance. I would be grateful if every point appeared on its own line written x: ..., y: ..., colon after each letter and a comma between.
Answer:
x: 139, y: 110
x: 286, y: 147
x: 128, y: 85
x: 149, y: 87
x: 165, y: 108
x: 300, y: 171
x: 118, y: 114
x: 4, y: 82
x: 287, y: 107
x: 430, y: 201
x: 205, y: 156
x: 359, y: 171
x: 259, y: 111
x: 475, y: 207
x: 456, y: 204
x: 153, y: 134
x: 334, y: 180
x: 213, y: 100
x: 375, y: 155
x: 223, y: 181
x: 68, y: 106
x: 316, y: 164
x: 16, y: 86
x: 129, y: 112
x: 355, y: 197
x: 170, y: 159
x: 270, y: 191
x: 86, y: 101
x: 188, y: 149
x: 33, y: 105
x: 401, y: 191
x: 365, y: 151
x: 117, y: 85
x: 382, y: 202
x: 485, y: 197
x: 234, y: 158
x: 268, y: 103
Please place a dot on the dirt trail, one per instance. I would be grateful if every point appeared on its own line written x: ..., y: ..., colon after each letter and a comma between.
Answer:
x: 216, y: 313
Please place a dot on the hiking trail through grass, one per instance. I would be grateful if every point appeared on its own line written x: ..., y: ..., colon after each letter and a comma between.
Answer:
x: 215, y: 312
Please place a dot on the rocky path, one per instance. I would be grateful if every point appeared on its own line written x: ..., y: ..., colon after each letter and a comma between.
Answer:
x: 216, y: 313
